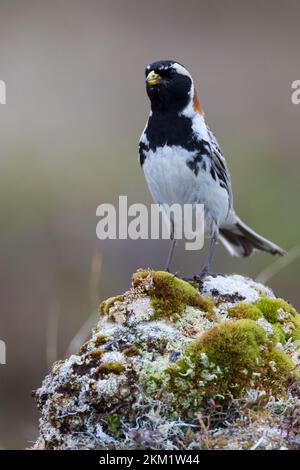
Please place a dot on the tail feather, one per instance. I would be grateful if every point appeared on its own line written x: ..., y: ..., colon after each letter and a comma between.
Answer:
x: 241, y: 240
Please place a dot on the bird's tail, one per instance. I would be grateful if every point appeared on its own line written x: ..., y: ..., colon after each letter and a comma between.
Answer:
x: 240, y: 240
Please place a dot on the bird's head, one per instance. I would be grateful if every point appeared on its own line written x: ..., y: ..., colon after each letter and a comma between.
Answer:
x: 170, y: 87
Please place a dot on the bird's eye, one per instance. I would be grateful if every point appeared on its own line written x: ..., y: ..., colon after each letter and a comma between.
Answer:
x: 172, y: 73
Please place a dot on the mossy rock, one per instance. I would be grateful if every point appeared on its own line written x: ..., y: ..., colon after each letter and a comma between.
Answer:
x: 169, y: 294
x: 270, y: 308
x: 224, y: 361
x: 283, y: 317
x: 278, y: 311
x: 172, y: 359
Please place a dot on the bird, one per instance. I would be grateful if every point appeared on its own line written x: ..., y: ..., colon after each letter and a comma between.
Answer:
x: 183, y: 163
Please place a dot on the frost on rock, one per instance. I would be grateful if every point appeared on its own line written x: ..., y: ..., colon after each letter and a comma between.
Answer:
x: 171, y: 365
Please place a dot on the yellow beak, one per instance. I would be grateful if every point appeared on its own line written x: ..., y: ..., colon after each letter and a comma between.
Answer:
x: 153, y: 78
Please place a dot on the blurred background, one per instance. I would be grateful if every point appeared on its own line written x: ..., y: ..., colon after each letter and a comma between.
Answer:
x: 76, y: 106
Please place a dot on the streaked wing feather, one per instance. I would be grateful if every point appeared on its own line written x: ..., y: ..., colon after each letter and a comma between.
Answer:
x: 219, y: 164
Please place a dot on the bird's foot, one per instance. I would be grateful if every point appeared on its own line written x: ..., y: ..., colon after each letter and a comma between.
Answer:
x: 196, y: 278
x: 199, y: 278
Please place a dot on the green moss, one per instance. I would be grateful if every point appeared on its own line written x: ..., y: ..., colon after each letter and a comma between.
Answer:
x: 132, y: 350
x: 278, y: 364
x: 244, y: 310
x: 139, y: 277
x: 114, y: 425
x: 111, y: 368
x: 278, y: 311
x: 296, y: 322
x: 278, y: 334
x: 95, y: 354
x: 269, y: 308
x: 170, y: 295
x: 225, y: 360
x: 100, y: 340
x: 236, y: 348
x: 108, y: 303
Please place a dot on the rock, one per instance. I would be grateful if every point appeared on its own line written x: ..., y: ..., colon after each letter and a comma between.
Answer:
x: 169, y: 366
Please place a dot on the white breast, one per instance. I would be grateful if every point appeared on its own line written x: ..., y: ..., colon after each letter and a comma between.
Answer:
x: 171, y: 181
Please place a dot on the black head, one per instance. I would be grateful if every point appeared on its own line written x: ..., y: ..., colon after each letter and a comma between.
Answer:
x: 168, y: 86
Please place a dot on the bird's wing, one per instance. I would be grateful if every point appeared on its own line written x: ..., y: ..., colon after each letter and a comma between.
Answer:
x: 219, y: 164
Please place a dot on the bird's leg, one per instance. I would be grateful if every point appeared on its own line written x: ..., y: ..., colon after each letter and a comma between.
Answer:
x: 211, y: 249
x: 171, y: 248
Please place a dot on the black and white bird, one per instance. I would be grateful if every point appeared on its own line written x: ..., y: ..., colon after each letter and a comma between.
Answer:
x: 183, y: 163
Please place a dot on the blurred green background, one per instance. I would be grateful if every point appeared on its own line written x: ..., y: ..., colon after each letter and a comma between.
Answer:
x: 76, y: 106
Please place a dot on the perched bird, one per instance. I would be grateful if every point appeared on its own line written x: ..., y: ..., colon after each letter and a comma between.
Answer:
x: 184, y: 164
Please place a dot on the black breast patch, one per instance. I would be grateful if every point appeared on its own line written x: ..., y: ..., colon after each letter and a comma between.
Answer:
x: 169, y: 129
x: 174, y: 130
x: 198, y: 161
